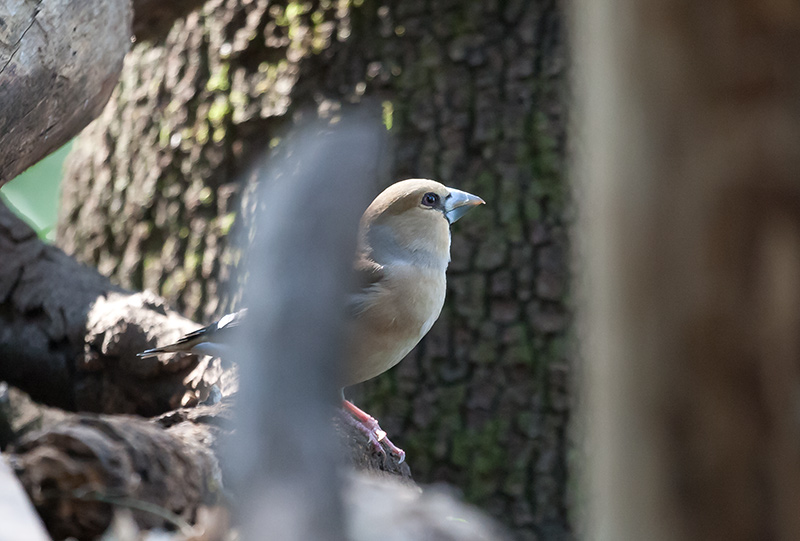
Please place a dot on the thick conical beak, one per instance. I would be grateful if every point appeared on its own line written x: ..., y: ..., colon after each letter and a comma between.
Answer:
x: 458, y: 203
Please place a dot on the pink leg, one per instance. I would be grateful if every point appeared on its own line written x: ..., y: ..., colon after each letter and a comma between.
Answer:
x: 369, y: 426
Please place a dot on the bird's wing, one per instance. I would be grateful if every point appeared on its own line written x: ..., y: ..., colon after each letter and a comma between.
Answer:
x: 369, y: 275
x: 217, y: 332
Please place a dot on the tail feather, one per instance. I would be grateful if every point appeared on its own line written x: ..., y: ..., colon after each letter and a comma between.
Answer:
x: 172, y: 348
x: 202, y: 341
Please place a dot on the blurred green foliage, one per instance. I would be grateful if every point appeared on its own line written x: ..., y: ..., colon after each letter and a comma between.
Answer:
x: 34, y: 194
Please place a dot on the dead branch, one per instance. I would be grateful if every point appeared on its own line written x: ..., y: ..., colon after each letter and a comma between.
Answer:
x: 56, y: 73
x: 78, y: 471
x: 69, y: 337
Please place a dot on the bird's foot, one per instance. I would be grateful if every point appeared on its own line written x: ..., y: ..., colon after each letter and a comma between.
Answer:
x: 368, y: 425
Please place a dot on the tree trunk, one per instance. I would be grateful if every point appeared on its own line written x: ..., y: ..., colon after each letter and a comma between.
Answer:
x: 473, y: 94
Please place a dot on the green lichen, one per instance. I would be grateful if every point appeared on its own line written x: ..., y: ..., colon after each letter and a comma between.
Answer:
x: 186, y: 137
x: 388, y: 114
x: 201, y: 134
x: 295, y: 9
x: 206, y: 195
x: 238, y: 98
x: 219, y: 135
x: 449, y: 401
x: 488, y: 459
x: 484, y: 353
x: 461, y: 453
x: 191, y: 261
x: 163, y: 136
x: 174, y: 284
x: 557, y: 347
x: 219, y: 110
x: 219, y: 81
x: 150, y: 261
x: 225, y: 222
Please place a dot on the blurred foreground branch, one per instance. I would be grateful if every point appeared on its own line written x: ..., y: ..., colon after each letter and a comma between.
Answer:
x: 286, y: 456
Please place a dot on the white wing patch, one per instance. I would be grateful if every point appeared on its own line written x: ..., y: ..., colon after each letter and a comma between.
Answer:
x: 226, y: 320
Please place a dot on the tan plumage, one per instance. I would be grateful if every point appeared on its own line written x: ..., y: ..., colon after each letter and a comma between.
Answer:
x: 404, y: 249
x: 403, y: 253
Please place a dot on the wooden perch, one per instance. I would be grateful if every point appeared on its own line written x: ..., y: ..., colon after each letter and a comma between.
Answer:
x: 79, y: 470
x: 385, y: 509
x: 82, y: 470
x: 69, y: 337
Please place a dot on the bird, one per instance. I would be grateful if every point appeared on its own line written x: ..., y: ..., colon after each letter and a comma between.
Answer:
x: 402, y: 255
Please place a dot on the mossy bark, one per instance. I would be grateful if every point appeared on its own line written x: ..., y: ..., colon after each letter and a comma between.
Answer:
x: 474, y: 94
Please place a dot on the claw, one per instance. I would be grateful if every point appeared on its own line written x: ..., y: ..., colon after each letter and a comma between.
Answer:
x: 368, y: 425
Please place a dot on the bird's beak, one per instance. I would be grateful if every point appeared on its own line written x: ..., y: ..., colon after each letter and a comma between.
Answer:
x: 458, y: 203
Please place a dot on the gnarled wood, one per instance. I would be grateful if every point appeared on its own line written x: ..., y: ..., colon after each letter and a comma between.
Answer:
x: 79, y: 470
x: 69, y: 337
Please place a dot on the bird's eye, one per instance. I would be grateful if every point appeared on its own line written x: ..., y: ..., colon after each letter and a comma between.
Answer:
x: 430, y: 199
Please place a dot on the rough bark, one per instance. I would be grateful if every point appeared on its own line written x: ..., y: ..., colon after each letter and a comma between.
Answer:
x: 473, y: 92
x: 78, y: 471
x: 152, y: 19
x: 69, y: 337
x: 57, y: 71
x: 690, y: 237
x: 82, y: 469
x: 82, y: 472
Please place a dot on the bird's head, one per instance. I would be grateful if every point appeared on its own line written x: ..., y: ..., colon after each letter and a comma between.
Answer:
x: 414, y: 216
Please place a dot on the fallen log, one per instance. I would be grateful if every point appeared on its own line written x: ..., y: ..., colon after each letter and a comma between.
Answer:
x: 80, y: 469
x: 69, y: 337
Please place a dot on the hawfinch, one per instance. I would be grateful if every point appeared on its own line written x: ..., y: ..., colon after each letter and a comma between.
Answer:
x: 402, y: 255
